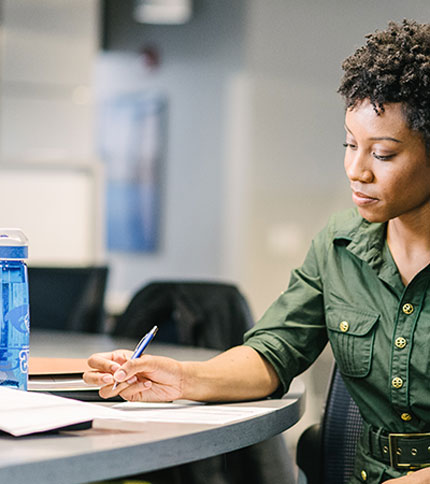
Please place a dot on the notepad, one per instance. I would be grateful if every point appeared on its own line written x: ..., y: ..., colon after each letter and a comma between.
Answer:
x: 61, y: 376
x: 57, y: 366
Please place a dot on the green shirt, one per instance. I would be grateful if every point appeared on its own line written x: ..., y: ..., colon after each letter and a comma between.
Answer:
x: 349, y: 292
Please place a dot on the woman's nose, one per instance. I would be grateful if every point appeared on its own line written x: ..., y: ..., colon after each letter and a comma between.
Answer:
x: 358, y: 168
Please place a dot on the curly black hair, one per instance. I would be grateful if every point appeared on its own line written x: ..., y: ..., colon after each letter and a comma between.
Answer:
x: 393, y: 66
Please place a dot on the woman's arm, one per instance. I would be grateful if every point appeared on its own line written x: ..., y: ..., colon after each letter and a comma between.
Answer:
x: 240, y: 373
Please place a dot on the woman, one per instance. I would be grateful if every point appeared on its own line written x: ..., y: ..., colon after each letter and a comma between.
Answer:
x: 364, y: 284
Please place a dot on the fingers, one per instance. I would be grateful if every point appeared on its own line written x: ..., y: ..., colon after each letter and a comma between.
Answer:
x: 104, y: 361
x: 127, y: 390
x: 131, y: 368
x: 136, y: 392
x: 105, y: 365
x: 116, y: 374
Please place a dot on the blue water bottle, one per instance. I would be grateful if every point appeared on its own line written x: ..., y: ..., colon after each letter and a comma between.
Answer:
x: 14, y: 309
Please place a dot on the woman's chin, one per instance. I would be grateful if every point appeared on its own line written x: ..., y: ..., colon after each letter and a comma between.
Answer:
x: 372, y: 216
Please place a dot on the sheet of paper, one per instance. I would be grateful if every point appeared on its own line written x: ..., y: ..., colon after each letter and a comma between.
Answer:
x: 23, y: 413
x: 190, y: 413
x: 151, y: 405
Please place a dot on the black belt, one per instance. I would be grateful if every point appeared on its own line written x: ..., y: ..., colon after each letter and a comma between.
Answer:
x: 401, y: 451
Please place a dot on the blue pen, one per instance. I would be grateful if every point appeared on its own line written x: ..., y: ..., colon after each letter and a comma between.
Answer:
x: 140, y: 348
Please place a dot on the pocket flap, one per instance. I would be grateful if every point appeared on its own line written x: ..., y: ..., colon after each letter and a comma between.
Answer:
x: 347, y: 320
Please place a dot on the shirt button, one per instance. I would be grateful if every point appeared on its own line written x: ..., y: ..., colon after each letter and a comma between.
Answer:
x: 400, y: 342
x: 344, y: 326
x: 397, y: 382
x: 408, y: 308
x: 406, y: 417
x: 363, y: 475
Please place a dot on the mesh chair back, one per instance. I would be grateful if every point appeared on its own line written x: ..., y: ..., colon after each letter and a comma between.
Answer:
x: 342, y: 426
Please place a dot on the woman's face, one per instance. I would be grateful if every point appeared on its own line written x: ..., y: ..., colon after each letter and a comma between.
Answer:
x: 386, y: 163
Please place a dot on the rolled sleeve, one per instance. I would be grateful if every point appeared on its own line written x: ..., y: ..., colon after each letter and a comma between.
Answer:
x: 292, y: 332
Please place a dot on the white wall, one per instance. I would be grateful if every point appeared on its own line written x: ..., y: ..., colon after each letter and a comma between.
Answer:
x: 47, y: 49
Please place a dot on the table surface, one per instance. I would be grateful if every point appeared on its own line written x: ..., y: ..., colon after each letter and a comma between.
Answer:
x: 91, y: 455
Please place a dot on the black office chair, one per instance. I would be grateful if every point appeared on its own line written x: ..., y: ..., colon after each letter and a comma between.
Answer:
x: 212, y: 315
x: 326, y: 451
x: 196, y: 313
x: 67, y: 298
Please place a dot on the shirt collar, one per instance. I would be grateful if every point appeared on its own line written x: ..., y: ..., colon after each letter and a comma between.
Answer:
x: 367, y: 241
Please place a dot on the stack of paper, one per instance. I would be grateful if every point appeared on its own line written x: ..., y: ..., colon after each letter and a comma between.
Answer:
x: 23, y: 413
x: 61, y: 376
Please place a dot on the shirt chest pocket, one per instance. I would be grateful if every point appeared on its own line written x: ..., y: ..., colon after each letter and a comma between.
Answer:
x: 352, y: 333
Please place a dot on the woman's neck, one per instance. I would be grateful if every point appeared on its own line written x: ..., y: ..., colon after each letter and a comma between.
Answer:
x: 408, y: 238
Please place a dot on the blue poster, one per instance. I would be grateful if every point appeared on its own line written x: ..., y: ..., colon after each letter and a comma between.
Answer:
x: 131, y: 144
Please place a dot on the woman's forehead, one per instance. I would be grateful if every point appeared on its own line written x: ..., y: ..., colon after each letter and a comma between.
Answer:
x: 389, y: 121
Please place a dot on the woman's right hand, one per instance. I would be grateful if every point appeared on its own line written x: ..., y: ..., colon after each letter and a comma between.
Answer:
x: 148, y: 378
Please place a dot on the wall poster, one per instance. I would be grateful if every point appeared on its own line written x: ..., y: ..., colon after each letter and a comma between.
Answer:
x: 131, y: 144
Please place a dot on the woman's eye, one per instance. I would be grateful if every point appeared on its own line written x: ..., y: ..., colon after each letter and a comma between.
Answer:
x: 383, y: 157
x: 349, y: 145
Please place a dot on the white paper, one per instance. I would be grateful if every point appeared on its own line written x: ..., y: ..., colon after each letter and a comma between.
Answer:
x: 23, y: 413
x: 128, y: 406
x: 190, y: 413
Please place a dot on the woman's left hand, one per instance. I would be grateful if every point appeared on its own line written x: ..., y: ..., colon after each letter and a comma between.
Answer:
x: 418, y: 477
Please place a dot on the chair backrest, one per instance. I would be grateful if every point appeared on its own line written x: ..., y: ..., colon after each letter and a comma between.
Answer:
x: 197, y: 313
x: 341, y: 428
x: 67, y: 298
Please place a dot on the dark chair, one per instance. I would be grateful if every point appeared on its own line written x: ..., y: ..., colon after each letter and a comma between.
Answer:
x: 204, y: 314
x: 67, y: 298
x: 212, y: 315
x: 326, y: 451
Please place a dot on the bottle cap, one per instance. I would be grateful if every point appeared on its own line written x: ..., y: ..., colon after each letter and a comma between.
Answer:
x: 13, y: 244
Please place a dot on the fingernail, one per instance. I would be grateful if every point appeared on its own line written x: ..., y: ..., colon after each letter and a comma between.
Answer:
x: 147, y: 384
x: 107, y: 379
x: 132, y: 380
x: 120, y: 375
x: 114, y: 367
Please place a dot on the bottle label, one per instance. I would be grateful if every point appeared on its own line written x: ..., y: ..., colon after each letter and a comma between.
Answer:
x: 19, y: 318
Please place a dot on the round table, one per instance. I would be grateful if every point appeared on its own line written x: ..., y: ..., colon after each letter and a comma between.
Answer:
x: 90, y: 455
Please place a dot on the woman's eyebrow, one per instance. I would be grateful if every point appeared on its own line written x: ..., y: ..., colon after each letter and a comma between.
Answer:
x: 387, y: 138
x: 377, y: 138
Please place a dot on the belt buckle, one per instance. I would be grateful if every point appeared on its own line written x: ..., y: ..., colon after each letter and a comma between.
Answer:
x: 393, y: 451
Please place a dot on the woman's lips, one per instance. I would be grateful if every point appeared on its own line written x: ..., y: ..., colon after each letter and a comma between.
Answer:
x: 361, y: 199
